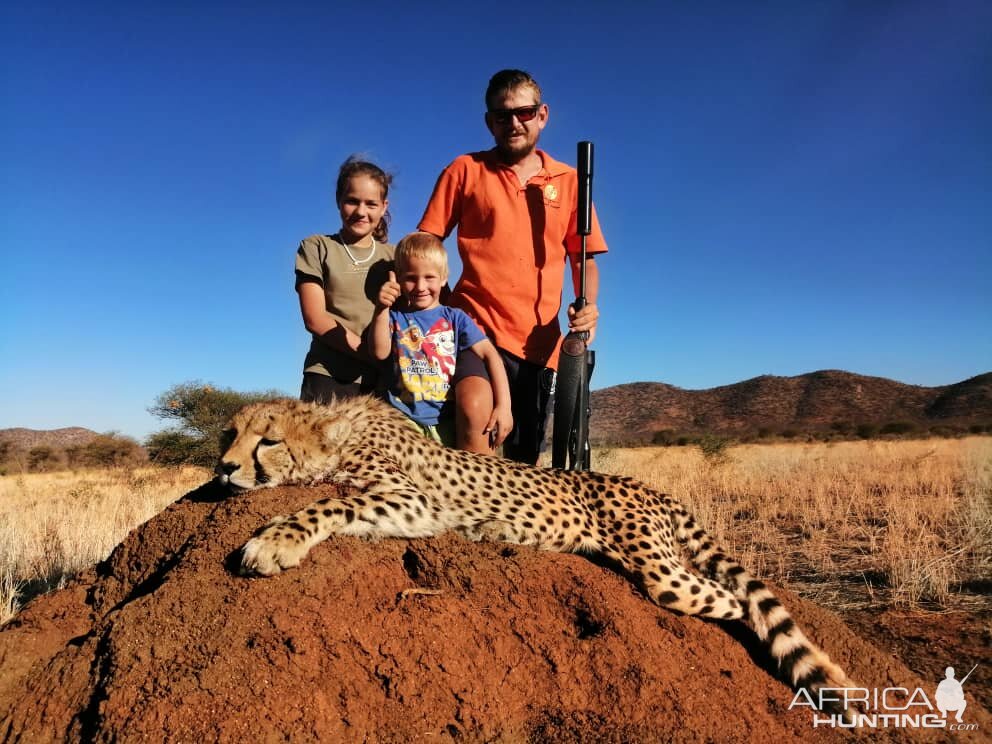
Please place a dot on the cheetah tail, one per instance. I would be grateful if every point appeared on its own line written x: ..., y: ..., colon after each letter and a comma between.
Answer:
x: 800, y: 662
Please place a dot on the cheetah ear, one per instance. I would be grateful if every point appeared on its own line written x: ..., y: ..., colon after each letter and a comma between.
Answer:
x: 275, y: 430
x: 337, y: 430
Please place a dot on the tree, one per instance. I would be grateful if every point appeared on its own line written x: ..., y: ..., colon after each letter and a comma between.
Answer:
x: 174, y: 447
x: 664, y: 437
x: 842, y: 427
x: 105, y: 451
x: 42, y: 458
x: 866, y: 431
x: 7, y: 451
x: 714, y: 448
x: 201, y: 412
x: 898, y: 428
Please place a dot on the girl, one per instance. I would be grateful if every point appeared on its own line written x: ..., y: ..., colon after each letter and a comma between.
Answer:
x: 338, y: 279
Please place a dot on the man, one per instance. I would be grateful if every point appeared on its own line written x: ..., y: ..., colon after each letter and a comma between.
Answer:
x: 515, y: 210
x: 950, y: 695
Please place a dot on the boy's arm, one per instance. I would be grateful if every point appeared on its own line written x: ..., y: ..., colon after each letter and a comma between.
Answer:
x: 380, y: 334
x: 501, y: 419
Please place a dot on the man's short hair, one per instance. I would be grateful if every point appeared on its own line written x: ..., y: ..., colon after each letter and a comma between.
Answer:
x: 424, y: 246
x: 506, y: 80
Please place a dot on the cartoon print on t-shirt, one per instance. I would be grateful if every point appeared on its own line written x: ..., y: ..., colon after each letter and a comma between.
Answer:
x: 427, y: 361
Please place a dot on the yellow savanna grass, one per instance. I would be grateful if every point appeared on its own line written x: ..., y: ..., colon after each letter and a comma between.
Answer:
x: 850, y: 523
x: 53, y: 525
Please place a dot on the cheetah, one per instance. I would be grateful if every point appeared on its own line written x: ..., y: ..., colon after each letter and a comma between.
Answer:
x: 402, y: 484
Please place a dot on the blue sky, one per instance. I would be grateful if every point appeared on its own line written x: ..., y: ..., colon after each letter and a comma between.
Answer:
x: 784, y: 186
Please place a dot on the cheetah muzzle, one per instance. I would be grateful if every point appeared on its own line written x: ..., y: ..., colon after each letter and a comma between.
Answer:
x: 398, y: 483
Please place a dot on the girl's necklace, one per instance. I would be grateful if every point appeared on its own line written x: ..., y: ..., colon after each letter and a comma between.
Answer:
x: 355, y: 261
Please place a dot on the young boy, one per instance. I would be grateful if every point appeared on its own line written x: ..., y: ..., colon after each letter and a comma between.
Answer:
x: 426, y: 337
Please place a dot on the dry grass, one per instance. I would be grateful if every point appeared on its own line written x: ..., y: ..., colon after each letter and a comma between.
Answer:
x: 851, y: 524
x: 53, y: 525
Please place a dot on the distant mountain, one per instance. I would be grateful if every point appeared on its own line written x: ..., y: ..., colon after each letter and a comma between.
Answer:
x: 25, y: 439
x: 812, y: 402
x: 817, y: 401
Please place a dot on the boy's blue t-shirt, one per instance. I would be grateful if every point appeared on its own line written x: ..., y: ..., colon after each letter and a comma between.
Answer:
x: 426, y: 344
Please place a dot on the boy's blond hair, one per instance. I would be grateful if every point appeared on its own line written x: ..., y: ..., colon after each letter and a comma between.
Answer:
x: 424, y: 246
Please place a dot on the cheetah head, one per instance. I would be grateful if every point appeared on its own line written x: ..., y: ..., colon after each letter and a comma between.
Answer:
x: 280, y: 442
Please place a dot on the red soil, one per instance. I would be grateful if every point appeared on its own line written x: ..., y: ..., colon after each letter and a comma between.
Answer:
x: 164, y: 642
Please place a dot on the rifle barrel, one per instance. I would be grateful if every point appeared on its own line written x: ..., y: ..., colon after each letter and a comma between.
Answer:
x: 968, y: 674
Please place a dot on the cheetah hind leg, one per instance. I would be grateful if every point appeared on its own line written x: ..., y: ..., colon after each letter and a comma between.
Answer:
x: 652, y: 564
x: 661, y: 576
x: 495, y: 530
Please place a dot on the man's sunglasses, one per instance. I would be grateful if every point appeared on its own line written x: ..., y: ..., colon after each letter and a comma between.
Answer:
x: 505, y: 116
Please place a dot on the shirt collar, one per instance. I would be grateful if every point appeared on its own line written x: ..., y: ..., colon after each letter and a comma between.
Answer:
x: 550, y: 169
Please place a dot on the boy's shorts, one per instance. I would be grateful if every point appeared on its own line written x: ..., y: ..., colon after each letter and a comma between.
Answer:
x: 531, y: 386
x: 469, y: 364
x: 443, y: 432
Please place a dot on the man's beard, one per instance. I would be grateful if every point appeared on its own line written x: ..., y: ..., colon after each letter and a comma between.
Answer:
x: 515, y: 153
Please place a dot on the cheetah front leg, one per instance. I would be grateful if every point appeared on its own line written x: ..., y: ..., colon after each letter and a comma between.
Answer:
x: 380, y: 508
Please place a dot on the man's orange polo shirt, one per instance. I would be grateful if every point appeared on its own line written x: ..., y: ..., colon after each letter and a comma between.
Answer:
x: 513, y: 241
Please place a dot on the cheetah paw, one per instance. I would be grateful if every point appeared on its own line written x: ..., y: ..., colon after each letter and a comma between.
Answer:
x: 273, y: 549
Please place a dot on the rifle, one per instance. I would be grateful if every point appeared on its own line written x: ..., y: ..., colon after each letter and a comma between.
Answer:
x: 575, y: 365
x: 968, y: 675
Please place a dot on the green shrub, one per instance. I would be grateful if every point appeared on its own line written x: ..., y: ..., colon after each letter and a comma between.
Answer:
x: 42, y: 459
x: 201, y: 412
x: 665, y: 437
x: 866, y: 431
x: 105, y: 451
x: 174, y: 447
x: 898, y: 427
x: 714, y: 447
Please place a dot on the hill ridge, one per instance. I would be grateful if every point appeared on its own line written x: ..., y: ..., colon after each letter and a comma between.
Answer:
x: 633, y: 412
x: 24, y: 439
x: 814, y: 401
